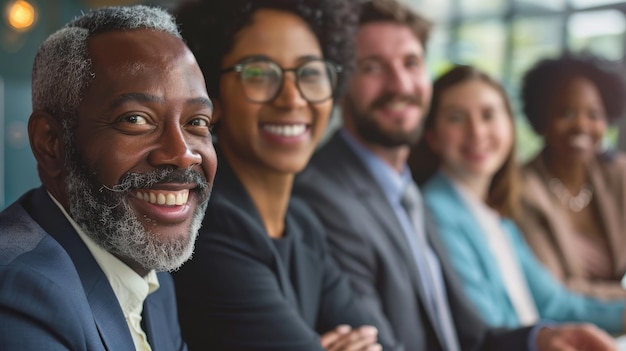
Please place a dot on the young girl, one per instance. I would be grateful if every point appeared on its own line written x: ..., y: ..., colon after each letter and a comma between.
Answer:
x: 262, y: 277
x: 472, y: 195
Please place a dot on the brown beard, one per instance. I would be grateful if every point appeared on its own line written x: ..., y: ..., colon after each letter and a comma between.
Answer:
x: 368, y: 128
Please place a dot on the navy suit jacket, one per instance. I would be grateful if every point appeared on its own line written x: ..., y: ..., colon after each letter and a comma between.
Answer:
x: 237, y: 293
x: 367, y: 240
x: 53, y: 294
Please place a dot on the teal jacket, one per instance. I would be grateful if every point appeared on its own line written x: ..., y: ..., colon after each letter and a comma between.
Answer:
x: 482, y: 280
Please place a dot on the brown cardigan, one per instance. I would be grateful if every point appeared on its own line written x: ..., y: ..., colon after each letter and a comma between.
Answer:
x: 547, y: 228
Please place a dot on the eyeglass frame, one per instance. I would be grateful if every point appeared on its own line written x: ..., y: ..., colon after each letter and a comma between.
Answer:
x: 238, y: 67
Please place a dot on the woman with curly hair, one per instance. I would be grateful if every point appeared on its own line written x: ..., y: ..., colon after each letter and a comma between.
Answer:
x: 262, y: 277
x: 574, y: 193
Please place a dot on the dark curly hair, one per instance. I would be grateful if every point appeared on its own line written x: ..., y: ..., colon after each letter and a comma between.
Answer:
x: 209, y: 28
x: 550, y: 76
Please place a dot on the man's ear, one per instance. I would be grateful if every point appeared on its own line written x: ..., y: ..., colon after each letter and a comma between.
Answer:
x: 46, y: 140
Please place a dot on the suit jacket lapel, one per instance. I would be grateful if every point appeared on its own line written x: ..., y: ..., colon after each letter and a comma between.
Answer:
x: 468, y: 223
x: 154, y: 324
x: 437, y: 245
x: 106, y: 310
x: 365, y: 187
x: 607, y: 212
x: 304, y: 267
x: 227, y: 184
x: 560, y: 226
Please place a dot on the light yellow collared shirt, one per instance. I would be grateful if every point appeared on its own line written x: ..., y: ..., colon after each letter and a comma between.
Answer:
x: 130, y: 288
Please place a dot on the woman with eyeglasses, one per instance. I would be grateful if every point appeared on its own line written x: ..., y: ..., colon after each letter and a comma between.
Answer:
x: 262, y: 277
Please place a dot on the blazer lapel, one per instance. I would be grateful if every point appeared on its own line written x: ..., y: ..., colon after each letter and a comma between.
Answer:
x: 228, y: 185
x: 437, y: 245
x: 148, y: 324
x: 154, y: 323
x: 367, y: 189
x: 304, y: 270
x: 109, y: 316
x: 608, y: 214
x: 469, y: 224
x: 106, y: 310
x: 560, y: 226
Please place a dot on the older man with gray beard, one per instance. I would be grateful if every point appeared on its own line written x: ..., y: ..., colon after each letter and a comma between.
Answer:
x: 120, y: 131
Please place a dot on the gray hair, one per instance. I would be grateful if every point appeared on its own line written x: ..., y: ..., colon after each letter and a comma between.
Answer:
x: 62, y: 67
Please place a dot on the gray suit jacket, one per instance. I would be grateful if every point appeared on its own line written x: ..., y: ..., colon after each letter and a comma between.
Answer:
x: 367, y: 241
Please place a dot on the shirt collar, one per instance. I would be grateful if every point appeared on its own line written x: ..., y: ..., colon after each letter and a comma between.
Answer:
x: 386, y: 177
x: 130, y: 288
x: 478, y: 206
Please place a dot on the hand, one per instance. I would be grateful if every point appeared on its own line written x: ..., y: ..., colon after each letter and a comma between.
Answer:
x: 574, y: 337
x: 344, y: 338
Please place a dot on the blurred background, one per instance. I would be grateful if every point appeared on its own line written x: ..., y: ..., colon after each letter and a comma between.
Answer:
x: 503, y: 37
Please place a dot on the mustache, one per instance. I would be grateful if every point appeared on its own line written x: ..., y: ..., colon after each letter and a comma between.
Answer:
x: 387, y: 98
x: 135, y: 180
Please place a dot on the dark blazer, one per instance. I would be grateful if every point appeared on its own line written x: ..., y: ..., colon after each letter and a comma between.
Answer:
x: 237, y: 293
x: 53, y: 294
x: 368, y: 242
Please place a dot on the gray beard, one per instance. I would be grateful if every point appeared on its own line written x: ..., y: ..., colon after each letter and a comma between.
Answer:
x: 106, y: 217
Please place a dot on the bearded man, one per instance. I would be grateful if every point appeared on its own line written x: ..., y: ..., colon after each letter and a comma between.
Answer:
x: 120, y: 132
x: 359, y: 185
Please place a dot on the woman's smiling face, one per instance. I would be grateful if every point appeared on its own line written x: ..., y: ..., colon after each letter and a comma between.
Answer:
x: 473, y: 131
x: 281, y: 134
x: 576, y: 122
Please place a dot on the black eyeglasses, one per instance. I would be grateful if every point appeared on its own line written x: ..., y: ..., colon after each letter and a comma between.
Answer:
x: 262, y: 79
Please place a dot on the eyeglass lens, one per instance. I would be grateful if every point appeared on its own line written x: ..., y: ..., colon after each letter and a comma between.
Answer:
x: 262, y: 80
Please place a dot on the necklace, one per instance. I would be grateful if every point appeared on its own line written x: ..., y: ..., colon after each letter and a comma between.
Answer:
x: 574, y: 203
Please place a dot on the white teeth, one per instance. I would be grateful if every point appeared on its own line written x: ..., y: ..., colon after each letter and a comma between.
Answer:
x: 179, y: 199
x: 582, y: 141
x: 397, y: 105
x: 285, y: 130
x: 169, y: 198
x: 185, y: 197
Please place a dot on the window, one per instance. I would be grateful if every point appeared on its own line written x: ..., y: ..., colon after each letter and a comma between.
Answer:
x: 506, y: 37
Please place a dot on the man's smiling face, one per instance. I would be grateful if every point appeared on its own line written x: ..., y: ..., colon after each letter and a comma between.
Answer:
x: 140, y: 157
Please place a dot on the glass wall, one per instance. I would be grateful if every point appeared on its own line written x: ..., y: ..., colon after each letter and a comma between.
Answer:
x: 18, y: 46
x: 506, y: 37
